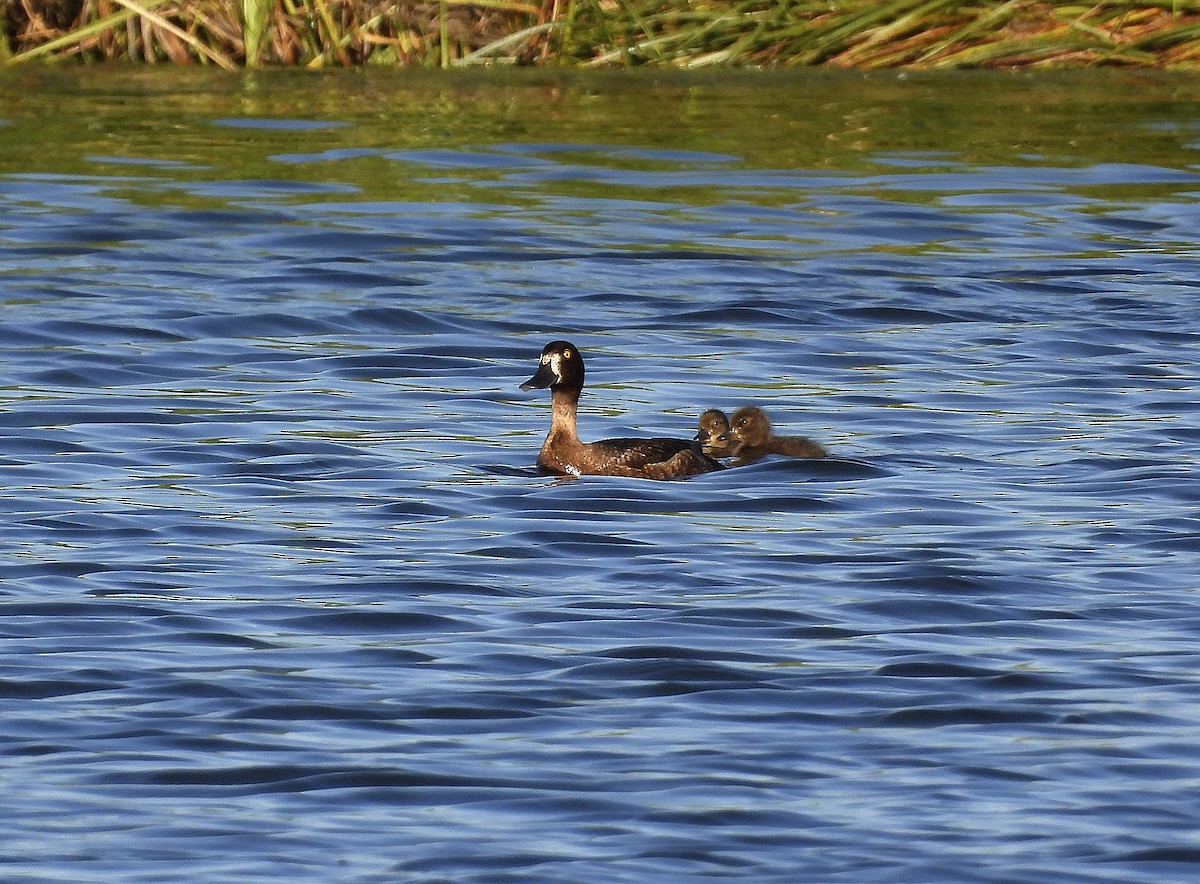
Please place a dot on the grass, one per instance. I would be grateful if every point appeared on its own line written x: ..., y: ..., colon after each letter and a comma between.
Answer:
x: 917, y: 34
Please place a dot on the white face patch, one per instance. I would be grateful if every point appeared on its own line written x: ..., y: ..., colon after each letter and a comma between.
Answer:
x: 555, y: 362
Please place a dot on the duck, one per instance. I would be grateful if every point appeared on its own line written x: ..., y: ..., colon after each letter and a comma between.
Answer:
x: 713, y: 434
x: 750, y: 429
x: 560, y: 368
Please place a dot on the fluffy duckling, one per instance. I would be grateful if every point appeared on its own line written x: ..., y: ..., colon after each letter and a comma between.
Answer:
x: 753, y: 439
x: 561, y: 369
x: 713, y: 434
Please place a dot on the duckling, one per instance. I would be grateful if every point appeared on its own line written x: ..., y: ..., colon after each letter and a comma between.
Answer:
x: 752, y: 437
x: 713, y: 434
x: 561, y: 369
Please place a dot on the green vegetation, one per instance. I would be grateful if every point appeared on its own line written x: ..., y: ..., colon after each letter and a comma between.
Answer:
x: 918, y: 34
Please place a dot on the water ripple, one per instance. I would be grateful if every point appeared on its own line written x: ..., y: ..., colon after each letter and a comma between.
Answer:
x: 275, y: 549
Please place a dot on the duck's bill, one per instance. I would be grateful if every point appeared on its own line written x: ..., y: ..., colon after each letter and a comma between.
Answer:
x: 541, y: 379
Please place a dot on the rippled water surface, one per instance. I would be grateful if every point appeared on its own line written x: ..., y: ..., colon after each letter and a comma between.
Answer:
x: 284, y: 597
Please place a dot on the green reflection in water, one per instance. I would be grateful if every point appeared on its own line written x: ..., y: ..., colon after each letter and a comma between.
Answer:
x: 192, y: 125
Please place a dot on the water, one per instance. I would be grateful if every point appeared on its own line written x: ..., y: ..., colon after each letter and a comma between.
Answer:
x: 284, y: 598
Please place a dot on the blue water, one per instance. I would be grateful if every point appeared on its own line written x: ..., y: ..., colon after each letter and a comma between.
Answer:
x: 283, y: 596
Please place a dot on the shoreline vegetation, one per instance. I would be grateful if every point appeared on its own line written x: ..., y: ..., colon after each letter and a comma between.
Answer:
x: 862, y: 34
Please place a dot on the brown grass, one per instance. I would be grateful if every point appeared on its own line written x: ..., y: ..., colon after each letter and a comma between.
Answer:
x: 684, y: 33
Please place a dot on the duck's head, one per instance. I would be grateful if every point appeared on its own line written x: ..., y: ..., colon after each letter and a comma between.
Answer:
x: 713, y: 433
x: 750, y: 426
x: 560, y: 366
x: 712, y: 424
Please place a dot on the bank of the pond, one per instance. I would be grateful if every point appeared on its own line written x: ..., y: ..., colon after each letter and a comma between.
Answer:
x: 918, y: 34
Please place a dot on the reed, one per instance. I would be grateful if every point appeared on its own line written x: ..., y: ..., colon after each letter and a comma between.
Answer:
x: 256, y: 18
x: 917, y: 34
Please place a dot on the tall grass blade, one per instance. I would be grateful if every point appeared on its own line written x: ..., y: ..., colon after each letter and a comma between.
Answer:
x: 827, y: 40
x: 212, y: 54
x: 503, y: 5
x: 73, y: 39
x: 876, y: 40
x: 256, y: 16
x: 444, y: 33
x: 988, y: 22
x: 490, y: 52
x: 333, y: 37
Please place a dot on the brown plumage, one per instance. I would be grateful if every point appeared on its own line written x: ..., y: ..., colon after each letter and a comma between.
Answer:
x: 751, y: 431
x: 713, y: 434
x: 561, y: 369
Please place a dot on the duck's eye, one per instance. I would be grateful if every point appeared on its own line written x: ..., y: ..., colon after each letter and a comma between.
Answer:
x: 566, y: 354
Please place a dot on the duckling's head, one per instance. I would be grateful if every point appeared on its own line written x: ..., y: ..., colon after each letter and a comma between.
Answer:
x: 750, y: 426
x: 713, y: 434
x: 560, y: 367
x: 712, y: 424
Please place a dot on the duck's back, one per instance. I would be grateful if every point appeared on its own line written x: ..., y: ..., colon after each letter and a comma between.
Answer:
x: 650, y: 458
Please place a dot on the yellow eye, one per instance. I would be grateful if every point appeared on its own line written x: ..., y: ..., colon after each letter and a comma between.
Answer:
x: 566, y: 354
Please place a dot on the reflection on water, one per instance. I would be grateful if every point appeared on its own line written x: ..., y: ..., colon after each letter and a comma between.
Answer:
x: 282, y: 589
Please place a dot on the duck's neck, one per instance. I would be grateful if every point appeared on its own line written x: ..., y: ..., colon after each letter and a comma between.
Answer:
x: 564, y: 404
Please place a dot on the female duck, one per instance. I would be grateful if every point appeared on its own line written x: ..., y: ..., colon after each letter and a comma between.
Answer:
x: 713, y: 434
x: 561, y: 369
x: 752, y: 438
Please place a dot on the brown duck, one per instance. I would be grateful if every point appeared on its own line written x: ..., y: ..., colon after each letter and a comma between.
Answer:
x: 561, y: 369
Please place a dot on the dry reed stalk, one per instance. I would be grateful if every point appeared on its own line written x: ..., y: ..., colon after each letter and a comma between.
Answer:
x: 845, y: 33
